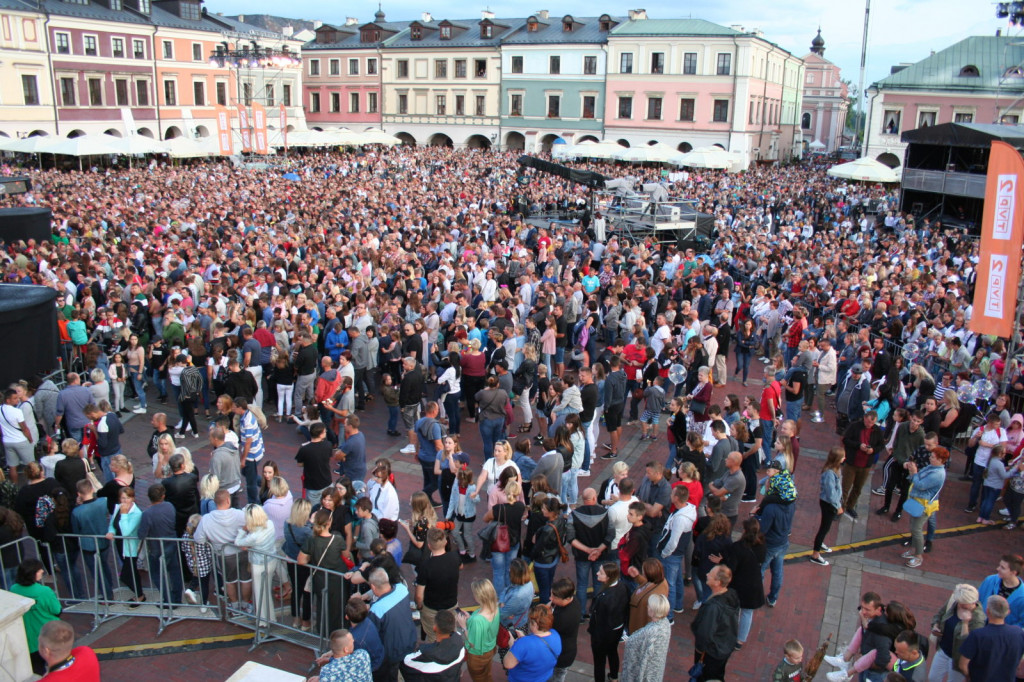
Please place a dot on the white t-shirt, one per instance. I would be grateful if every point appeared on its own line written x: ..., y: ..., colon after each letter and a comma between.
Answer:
x: 617, y: 517
x: 987, y: 441
x: 11, y: 419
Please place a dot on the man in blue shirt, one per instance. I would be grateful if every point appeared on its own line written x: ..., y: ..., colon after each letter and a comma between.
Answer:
x: 428, y: 437
x: 353, y: 447
x: 157, y: 524
x: 776, y: 522
x: 994, y: 651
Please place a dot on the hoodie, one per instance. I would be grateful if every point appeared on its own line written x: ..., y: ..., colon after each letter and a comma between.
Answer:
x: 716, y: 627
x: 224, y: 464
x: 592, y: 528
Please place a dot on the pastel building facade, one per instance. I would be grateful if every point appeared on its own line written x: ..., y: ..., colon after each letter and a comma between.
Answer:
x: 977, y: 80
x: 825, y: 101
x: 26, y: 92
x: 552, y: 81
x: 691, y: 83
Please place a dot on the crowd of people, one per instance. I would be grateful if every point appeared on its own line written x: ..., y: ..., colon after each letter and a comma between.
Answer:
x: 425, y: 280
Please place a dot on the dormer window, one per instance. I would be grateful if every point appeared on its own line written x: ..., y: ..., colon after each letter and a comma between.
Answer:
x: 567, y: 25
x: 190, y: 10
x: 1015, y: 72
x: 446, y: 33
x: 970, y: 71
x: 532, y: 24
x: 486, y: 31
x: 605, y: 23
x: 370, y: 35
x: 416, y: 33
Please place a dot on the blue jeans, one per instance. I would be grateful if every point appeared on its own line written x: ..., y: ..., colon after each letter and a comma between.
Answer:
x: 451, y: 408
x: 586, y: 447
x: 789, y: 354
x: 586, y: 576
x: 672, y: 449
x: 570, y: 490
x: 70, y: 574
x: 491, y: 431
x: 8, y: 576
x: 988, y: 500
x: 746, y: 620
x: 105, y: 466
x: 545, y: 574
x: 767, y: 433
x: 977, y: 479
x: 743, y: 364
x: 500, y: 563
x: 168, y: 582
x: 160, y: 383
x: 793, y: 408
x: 773, y: 560
x: 250, y: 472
x: 140, y: 388
x: 393, y: 413
x: 701, y: 588
x: 674, y: 577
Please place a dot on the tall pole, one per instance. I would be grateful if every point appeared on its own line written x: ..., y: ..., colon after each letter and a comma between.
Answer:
x: 863, y: 62
x: 1014, y: 344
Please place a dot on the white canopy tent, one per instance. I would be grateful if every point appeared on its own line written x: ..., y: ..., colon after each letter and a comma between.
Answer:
x: 705, y: 157
x: 83, y: 145
x: 655, y: 153
x: 377, y: 136
x: 186, y: 148
x: 606, y: 149
x: 866, y: 170
x: 25, y: 145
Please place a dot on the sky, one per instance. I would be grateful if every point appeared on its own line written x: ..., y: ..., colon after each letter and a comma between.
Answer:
x: 899, y: 31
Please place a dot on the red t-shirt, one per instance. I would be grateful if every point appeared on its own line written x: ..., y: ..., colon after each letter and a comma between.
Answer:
x: 85, y: 668
x: 769, y: 396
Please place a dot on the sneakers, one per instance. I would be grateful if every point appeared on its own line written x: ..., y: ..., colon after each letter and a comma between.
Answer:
x: 771, y: 603
x: 927, y: 546
x: 1010, y: 526
x: 852, y: 513
x: 883, y: 511
x: 880, y: 490
x: 679, y: 610
x: 408, y: 449
x: 838, y: 676
x: 971, y: 509
x: 914, y: 563
x: 139, y: 410
x: 697, y: 605
x: 1004, y: 512
x: 837, y: 661
x: 909, y: 554
x: 190, y: 597
x: 818, y: 560
x: 583, y: 472
x: 826, y: 549
x: 609, y: 455
x: 750, y: 501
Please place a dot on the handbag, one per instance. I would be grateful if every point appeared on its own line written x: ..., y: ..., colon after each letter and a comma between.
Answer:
x: 504, y: 639
x: 308, y: 586
x: 917, y: 506
x: 502, y: 538
x: 563, y: 553
x: 510, y: 415
x: 90, y: 475
x: 698, y: 407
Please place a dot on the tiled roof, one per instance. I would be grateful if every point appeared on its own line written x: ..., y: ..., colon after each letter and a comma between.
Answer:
x: 466, y: 34
x: 549, y: 32
x: 672, y: 27
x: 92, y: 11
x: 248, y: 29
x: 161, y: 17
x: 992, y: 56
x: 351, y: 36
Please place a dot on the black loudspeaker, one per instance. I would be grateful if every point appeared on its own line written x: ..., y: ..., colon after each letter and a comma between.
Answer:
x: 24, y: 224
x: 28, y: 331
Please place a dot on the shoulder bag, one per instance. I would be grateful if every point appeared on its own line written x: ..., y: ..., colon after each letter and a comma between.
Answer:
x: 502, y: 537
x: 563, y: 553
x: 918, y: 506
x: 308, y: 587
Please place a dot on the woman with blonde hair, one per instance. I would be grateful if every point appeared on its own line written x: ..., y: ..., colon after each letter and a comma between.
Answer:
x: 960, y: 615
x: 208, y: 486
x: 297, y: 530
x: 257, y: 537
x: 423, y: 518
x: 481, y: 630
x: 164, y: 449
x: 123, y: 477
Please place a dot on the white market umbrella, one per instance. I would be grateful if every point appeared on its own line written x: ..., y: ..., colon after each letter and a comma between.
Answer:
x: 25, y: 145
x: 866, y: 170
x: 185, y: 148
x: 817, y: 144
x: 84, y: 145
x: 655, y: 153
x: 139, y: 144
x: 605, y: 149
x: 705, y: 157
x: 377, y: 136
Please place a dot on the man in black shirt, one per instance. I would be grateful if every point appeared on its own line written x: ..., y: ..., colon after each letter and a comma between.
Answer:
x: 182, y: 492
x: 159, y: 423
x: 437, y: 581
x: 240, y: 383
x: 589, y: 397
x: 315, y: 459
x: 561, y: 339
x: 567, y: 624
x: 305, y: 360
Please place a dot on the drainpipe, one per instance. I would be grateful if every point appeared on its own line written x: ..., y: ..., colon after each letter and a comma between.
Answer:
x: 53, y: 79
x: 156, y: 91
x: 735, y: 81
x: 764, y: 94
x: 604, y: 109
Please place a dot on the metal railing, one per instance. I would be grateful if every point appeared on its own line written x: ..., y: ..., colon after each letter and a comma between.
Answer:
x: 261, y: 592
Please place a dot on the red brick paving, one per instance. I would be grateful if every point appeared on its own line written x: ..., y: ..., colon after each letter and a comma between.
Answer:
x: 799, y: 612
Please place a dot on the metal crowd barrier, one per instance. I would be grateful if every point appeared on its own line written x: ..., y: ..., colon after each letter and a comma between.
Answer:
x: 90, y: 577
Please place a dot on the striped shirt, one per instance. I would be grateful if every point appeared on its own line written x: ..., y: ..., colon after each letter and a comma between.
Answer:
x: 250, y: 428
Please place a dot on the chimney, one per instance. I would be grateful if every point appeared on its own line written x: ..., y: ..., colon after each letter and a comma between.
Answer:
x: 317, y: 24
x: 351, y: 21
x: 542, y: 14
x: 637, y: 14
x: 241, y: 18
x: 427, y: 17
x: 486, y: 14
x: 738, y: 27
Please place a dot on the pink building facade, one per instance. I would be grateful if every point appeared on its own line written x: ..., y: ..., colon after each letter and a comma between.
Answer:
x: 825, y: 102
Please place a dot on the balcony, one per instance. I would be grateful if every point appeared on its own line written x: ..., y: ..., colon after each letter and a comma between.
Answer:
x: 939, y: 182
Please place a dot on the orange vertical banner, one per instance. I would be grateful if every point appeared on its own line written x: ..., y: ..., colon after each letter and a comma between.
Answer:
x: 244, y: 128
x: 259, y: 128
x: 223, y: 130
x: 283, y: 126
x: 1002, y: 234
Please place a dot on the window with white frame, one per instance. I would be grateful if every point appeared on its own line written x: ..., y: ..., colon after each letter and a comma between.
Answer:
x: 62, y: 43
x: 90, y: 46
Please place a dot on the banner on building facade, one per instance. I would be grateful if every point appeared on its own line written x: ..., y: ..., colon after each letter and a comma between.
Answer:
x: 1002, y: 234
x: 244, y: 128
x: 223, y: 130
x: 129, y: 122
x: 259, y: 129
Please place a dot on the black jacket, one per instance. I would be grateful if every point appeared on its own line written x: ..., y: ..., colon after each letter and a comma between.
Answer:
x: 716, y: 627
x: 410, y: 391
x: 241, y: 384
x: 183, y: 494
x: 545, y: 542
x: 745, y: 562
x: 608, y: 613
x: 439, y: 661
x: 591, y: 527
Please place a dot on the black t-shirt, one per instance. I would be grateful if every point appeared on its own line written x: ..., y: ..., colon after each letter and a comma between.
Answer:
x: 567, y: 625
x: 589, y: 397
x: 315, y: 458
x: 560, y: 329
x: 439, y: 576
x: 799, y: 375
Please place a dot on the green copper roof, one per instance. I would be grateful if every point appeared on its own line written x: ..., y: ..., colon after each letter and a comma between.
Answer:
x: 672, y: 27
x: 992, y: 57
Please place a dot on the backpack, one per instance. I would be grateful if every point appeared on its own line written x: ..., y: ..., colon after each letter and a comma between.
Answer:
x: 428, y: 426
x: 44, y: 507
x: 576, y: 338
